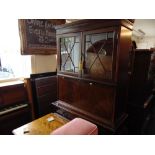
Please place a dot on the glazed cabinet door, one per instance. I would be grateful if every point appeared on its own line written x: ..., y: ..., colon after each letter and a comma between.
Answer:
x: 69, y: 53
x: 98, y: 51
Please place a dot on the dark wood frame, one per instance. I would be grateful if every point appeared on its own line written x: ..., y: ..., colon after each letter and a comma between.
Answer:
x: 25, y: 50
x: 59, y: 54
x: 103, y: 30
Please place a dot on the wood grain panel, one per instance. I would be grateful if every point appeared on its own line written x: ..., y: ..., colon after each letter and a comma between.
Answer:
x: 92, y: 98
x: 41, y: 126
x: 13, y: 94
x: 46, y: 93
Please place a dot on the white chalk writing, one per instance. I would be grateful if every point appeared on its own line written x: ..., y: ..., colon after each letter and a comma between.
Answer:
x: 42, y: 30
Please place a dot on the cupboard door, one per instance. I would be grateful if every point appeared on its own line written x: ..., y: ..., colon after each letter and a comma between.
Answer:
x: 97, y: 99
x: 99, y: 54
x: 94, y: 99
x: 69, y: 90
x: 70, y: 54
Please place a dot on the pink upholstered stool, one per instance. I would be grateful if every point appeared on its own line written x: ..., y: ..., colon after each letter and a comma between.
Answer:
x: 77, y: 126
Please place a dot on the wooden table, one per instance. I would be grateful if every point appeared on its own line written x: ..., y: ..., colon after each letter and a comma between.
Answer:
x: 41, y: 126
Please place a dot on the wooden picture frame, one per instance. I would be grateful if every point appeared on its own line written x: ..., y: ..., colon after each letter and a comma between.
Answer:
x: 38, y: 36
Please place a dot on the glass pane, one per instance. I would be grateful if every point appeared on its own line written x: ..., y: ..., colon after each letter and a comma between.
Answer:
x: 70, y: 54
x: 12, y: 63
x: 98, y: 55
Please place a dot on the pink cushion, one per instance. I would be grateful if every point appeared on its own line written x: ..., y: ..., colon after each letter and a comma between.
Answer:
x: 77, y: 126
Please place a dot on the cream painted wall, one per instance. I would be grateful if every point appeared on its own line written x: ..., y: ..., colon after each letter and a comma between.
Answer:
x: 145, y: 42
x: 135, y: 38
x: 43, y: 63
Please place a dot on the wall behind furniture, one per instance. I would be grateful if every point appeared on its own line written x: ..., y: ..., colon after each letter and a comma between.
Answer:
x: 43, y: 63
x: 145, y: 42
x: 134, y: 38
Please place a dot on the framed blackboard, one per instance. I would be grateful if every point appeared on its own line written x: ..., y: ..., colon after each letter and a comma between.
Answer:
x: 38, y: 36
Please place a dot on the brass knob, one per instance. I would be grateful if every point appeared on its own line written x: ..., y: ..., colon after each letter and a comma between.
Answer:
x: 90, y: 83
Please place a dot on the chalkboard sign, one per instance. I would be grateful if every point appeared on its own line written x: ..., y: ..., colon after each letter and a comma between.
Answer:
x: 38, y: 36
